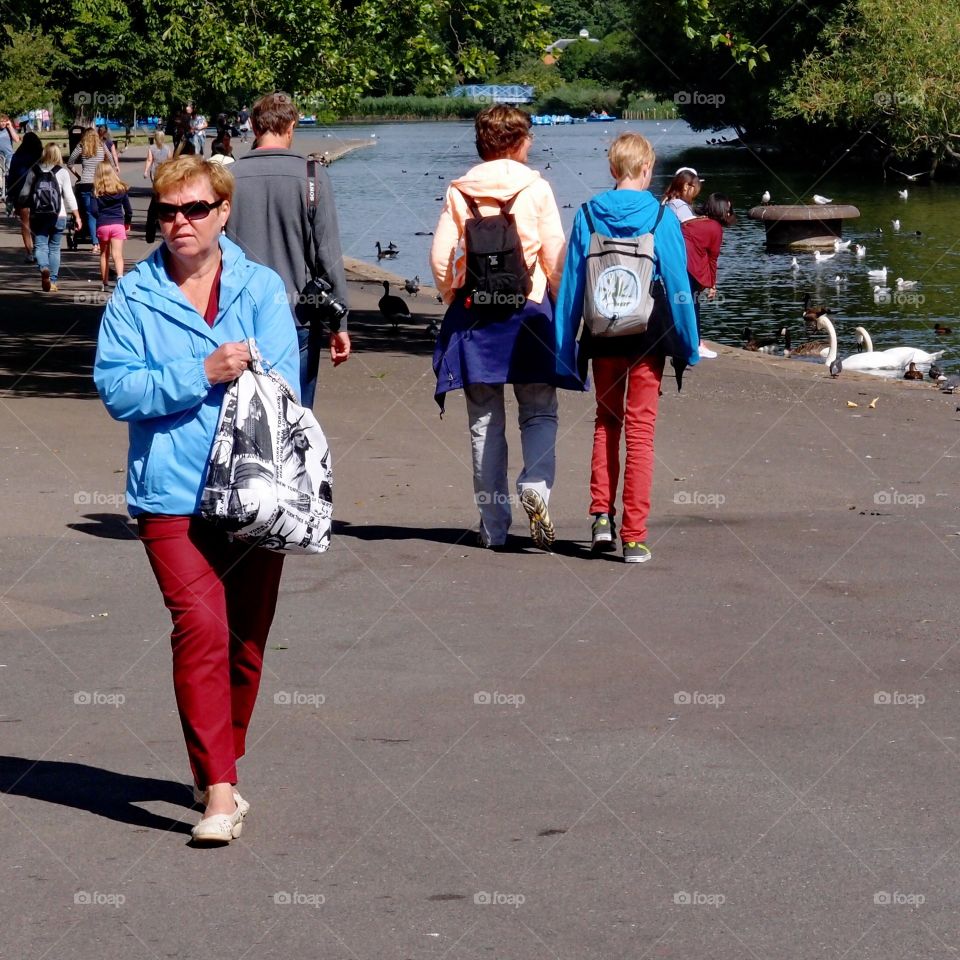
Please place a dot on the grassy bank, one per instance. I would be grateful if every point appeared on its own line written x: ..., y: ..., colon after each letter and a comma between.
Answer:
x: 575, y: 99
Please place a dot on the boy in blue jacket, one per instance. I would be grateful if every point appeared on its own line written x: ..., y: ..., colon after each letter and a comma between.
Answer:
x: 627, y: 370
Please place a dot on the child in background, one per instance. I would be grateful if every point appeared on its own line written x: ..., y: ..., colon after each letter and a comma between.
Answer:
x: 703, y: 236
x: 110, y: 207
x: 627, y: 370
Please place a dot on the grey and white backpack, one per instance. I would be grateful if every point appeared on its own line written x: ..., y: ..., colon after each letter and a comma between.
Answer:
x: 618, y: 296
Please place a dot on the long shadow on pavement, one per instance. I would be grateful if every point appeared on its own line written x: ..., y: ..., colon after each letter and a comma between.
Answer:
x: 103, y: 792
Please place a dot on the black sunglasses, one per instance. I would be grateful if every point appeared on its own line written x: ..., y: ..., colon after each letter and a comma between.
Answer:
x: 197, y: 210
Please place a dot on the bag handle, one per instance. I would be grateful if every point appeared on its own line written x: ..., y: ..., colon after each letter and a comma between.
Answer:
x: 256, y: 360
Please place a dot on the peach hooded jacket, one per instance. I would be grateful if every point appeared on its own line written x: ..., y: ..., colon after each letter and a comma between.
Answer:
x: 535, y: 212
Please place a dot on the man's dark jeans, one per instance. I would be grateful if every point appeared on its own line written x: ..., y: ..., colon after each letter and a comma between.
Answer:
x: 312, y: 341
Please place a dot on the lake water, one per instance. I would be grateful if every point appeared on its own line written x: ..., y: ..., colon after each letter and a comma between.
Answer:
x: 394, y: 189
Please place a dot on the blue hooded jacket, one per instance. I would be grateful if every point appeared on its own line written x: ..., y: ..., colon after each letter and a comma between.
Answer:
x: 626, y: 213
x: 149, y: 370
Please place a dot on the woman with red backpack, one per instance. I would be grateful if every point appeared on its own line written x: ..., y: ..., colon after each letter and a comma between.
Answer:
x: 50, y: 199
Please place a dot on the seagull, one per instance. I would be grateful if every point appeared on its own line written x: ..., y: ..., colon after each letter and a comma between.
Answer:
x: 861, y: 250
x: 895, y: 224
x: 818, y: 199
x: 903, y: 194
x: 912, y: 177
x: 839, y: 244
x: 906, y: 284
x: 821, y: 257
x: 880, y: 274
x: 766, y: 197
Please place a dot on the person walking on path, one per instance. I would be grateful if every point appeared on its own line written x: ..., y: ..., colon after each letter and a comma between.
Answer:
x: 49, y: 190
x: 90, y: 153
x: 171, y: 338
x: 481, y: 347
x: 275, y: 224
x: 157, y: 153
x: 113, y: 213
x: 27, y: 156
x: 703, y: 235
x: 627, y: 370
x: 9, y: 138
x: 109, y: 146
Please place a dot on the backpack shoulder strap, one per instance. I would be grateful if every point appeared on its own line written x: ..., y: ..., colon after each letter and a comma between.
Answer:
x: 508, y: 208
x: 656, y: 223
x: 585, y: 207
x: 471, y: 203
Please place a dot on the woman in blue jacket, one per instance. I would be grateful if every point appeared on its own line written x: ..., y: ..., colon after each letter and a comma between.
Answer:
x: 172, y: 335
x: 627, y: 370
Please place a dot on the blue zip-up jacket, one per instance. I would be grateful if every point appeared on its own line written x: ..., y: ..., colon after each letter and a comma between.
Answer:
x: 149, y: 370
x: 626, y: 213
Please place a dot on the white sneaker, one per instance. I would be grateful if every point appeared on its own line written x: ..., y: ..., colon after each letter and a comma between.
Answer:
x: 706, y: 353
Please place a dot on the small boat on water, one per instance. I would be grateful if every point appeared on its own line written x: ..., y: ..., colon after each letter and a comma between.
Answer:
x: 601, y: 118
x: 550, y: 119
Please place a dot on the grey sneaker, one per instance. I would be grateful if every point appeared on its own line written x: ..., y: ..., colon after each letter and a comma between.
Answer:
x: 603, y: 533
x: 541, y: 526
x: 634, y: 552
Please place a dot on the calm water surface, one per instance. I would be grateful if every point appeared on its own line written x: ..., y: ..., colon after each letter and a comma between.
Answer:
x: 394, y: 189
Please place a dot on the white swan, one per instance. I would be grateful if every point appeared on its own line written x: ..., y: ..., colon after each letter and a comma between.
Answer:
x: 896, y: 358
x: 880, y: 274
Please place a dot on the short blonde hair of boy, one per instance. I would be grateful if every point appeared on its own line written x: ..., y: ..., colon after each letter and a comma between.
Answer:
x: 175, y: 173
x: 51, y: 156
x: 629, y: 153
x: 107, y: 181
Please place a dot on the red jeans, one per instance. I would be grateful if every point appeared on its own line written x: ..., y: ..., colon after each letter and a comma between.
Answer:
x: 221, y: 596
x: 637, y: 380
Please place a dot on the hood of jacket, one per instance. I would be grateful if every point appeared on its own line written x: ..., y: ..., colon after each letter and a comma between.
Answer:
x: 628, y: 211
x: 498, y: 179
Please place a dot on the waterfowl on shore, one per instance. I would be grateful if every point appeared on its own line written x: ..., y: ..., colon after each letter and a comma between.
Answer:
x: 758, y: 344
x: 912, y: 373
x: 390, y: 253
x: 765, y: 198
x: 821, y: 200
x: 941, y: 331
x: 810, y: 348
x: 894, y: 358
x: 936, y: 372
x: 412, y: 286
x: 811, y: 312
x: 864, y: 343
x: 393, y: 309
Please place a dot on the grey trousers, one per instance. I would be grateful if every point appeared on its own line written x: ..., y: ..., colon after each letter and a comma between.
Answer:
x: 538, y: 436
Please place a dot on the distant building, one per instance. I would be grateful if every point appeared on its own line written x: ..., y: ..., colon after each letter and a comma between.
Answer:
x: 558, y: 46
x: 495, y: 93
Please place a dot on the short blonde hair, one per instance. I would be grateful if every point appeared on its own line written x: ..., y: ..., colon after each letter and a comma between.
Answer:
x: 629, y: 153
x: 51, y: 155
x: 107, y: 181
x: 175, y: 173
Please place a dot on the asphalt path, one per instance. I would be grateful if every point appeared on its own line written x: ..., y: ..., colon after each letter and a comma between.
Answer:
x: 745, y: 748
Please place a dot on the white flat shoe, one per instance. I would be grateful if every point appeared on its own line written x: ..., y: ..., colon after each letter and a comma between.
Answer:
x: 200, y: 796
x: 220, y: 828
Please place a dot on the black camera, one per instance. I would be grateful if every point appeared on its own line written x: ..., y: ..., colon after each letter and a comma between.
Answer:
x: 317, y: 304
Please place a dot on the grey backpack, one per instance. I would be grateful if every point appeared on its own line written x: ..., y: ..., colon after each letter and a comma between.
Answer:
x: 618, y: 295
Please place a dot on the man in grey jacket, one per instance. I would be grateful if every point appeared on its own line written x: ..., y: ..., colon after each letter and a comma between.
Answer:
x: 271, y: 220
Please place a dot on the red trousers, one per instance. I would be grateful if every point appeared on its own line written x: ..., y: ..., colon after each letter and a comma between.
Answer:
x: 222, y: 596
x: 636, y: 381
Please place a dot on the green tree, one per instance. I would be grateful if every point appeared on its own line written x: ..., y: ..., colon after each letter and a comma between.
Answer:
x: 26, y: 71
x: 887, y: 68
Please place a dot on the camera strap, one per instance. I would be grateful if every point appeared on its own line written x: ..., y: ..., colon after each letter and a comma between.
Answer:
x: 313, y: 190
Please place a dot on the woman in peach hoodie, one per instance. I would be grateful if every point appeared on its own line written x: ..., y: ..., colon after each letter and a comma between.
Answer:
x: 487, y: 341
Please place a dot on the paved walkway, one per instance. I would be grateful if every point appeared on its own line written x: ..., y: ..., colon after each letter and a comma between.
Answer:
x: 746, y: 748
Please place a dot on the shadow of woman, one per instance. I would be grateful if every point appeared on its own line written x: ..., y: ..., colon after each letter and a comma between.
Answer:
x: 103, y: 792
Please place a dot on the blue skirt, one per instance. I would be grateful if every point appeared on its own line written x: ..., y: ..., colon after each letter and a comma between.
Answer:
x: 476, y: 345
